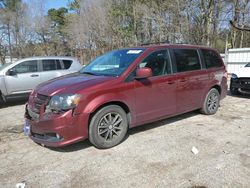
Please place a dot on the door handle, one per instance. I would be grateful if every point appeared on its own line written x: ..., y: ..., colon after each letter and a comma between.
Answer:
x: 170, y: 82
x: 183, y: 80
x: 34, y: 75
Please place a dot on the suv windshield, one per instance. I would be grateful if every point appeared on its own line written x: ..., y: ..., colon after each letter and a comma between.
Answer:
x: 113, y: 63
x: 247, y: 65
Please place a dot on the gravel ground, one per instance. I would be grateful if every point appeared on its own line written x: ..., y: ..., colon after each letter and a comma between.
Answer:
x: 153, y: 155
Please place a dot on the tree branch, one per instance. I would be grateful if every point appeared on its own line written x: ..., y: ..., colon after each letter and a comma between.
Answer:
x: 242, y: 28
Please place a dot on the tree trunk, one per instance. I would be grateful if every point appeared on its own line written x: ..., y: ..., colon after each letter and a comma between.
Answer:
x: 9, y: 40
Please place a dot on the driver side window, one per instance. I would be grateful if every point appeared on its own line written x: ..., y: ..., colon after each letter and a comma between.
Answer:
x: 158, y: 61
x: 26, y: 67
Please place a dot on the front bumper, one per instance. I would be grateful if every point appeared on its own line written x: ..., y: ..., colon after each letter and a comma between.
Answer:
x: 55, y: 130
x: 241, y: 84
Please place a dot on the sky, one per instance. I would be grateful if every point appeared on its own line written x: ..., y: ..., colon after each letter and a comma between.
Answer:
x: 51, y: 3
x: 55, y: 4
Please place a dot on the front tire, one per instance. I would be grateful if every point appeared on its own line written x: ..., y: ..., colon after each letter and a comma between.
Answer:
x: 2, y: 100
x: 108, y: 127
x: 211, y: 103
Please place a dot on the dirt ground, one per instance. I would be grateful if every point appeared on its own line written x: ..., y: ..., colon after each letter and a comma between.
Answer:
x: 153, y: 155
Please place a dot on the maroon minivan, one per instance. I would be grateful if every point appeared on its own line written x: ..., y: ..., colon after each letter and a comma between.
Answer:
x: 123, y: 89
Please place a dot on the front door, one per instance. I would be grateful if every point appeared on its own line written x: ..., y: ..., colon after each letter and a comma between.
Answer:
x: 155, y: 96
x: 26, y: 78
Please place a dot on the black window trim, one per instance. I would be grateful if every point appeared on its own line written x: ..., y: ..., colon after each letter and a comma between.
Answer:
x: 204, y: 67
x: 62, y: 64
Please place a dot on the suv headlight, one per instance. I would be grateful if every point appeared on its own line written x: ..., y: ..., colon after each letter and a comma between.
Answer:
x: 234, y: 76
x: 63, y: 102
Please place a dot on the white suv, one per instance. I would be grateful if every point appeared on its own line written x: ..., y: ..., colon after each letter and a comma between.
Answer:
x: 19, y: 78
x: 240, y: 81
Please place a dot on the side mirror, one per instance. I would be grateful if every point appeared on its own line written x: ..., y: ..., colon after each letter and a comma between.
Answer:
x: 143, y: 73
x: 11, y: 72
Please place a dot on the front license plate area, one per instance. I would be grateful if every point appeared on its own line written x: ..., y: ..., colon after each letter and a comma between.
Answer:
x: 26, y: 128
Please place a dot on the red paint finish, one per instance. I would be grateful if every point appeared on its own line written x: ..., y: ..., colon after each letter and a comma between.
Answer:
x: 145, y: 100
x: 143, y: 73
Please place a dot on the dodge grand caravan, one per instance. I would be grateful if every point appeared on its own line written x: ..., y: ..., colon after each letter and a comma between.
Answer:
x: 123, y: 89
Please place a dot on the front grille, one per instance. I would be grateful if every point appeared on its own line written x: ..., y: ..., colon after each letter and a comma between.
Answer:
x: 244, y: 83
x: 39, y: 100
x: 36, y: 106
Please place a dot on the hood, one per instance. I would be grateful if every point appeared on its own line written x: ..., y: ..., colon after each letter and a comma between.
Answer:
x: 243, y: 72
x: 70, y: 84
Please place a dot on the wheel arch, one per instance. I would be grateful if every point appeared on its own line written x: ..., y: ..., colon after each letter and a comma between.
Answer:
x: 118, y: 103
x: 216, y: 87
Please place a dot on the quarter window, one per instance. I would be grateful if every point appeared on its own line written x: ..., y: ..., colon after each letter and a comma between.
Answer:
x: 67, y: 64
x: 159, y: 62
x: 186, y: 60
x: 26, y: 67
x: 212, y: 59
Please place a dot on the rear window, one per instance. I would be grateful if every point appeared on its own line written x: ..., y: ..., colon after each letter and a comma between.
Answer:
x: 186, y: 60
x: 211, y: 58
x: 67, y: 63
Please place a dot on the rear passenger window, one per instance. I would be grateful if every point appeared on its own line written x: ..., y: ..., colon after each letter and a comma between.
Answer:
x: 186, y: 60
x: 211, y: 58
x: 49, y: 65
x: 67, y: 63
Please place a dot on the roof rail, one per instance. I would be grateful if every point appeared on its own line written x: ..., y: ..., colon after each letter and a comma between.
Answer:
x: 166, y: 42
x: 149, y: 43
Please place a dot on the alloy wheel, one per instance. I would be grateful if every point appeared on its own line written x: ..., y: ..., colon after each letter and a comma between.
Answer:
x: 109, y: 127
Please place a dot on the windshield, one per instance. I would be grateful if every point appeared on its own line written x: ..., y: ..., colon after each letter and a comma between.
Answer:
x: 2, y: 66
x: 247, y: 65
x: 113, y: 63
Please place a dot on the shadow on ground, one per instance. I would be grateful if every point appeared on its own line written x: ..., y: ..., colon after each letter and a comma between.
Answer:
x: 240, y: 95
x: 12, y: 102
x: 74, y: 147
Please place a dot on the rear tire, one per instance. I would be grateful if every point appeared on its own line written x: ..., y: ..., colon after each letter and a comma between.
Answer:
x: 211, y: 103
x: 108, y: 127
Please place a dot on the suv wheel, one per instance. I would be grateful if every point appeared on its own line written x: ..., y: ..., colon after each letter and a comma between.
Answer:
x: 108, y: 127
x: 211, y: 103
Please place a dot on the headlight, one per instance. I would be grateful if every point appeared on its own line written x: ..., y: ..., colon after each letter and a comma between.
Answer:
x: 63, y: 102
x: 234, y: 76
